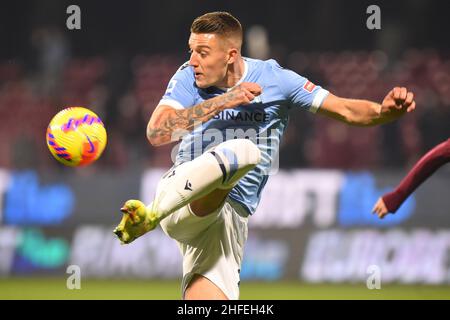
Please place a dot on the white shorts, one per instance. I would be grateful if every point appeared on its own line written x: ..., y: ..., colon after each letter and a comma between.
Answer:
x: 211, y: 246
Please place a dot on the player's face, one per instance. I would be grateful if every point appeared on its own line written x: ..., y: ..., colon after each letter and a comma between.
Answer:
x: 209, y: 58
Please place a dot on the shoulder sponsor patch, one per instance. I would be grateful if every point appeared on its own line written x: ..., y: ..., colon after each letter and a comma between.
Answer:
x: 309, y: 86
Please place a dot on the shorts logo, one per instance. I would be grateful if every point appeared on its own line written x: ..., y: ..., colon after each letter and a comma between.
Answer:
x: 309, y: 86
x: 188, y: 186
x: 171, y: 174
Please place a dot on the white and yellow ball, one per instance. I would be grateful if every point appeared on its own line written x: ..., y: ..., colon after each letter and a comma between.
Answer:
x: 76, y: 136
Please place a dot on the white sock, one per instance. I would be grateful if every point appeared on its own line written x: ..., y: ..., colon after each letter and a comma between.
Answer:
x: 218, y: 168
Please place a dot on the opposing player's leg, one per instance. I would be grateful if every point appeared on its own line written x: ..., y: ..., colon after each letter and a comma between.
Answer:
x: 426, y: 166
x: 217, y: 169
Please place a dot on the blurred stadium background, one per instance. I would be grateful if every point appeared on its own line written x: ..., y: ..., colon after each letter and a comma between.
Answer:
x: 313, y: 235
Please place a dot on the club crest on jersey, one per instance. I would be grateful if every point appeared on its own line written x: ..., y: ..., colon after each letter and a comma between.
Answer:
x: 309, y: 86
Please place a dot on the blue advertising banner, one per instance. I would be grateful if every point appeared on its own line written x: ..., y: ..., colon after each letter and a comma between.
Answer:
x: 311, y: 225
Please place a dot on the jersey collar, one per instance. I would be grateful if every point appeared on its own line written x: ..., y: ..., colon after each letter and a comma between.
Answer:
x: 212, y: 89
x: 243, y: 76
x: 240, y: 80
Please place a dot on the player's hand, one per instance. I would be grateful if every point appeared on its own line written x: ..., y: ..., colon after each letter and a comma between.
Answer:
x: 241, y: 94
x: 380, y: 208
x: 398, y: 101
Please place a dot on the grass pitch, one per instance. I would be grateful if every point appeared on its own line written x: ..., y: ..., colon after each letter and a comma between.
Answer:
x: 55, y: 288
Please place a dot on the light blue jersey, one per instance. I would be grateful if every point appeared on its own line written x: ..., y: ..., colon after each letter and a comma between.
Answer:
x: 263, y: 121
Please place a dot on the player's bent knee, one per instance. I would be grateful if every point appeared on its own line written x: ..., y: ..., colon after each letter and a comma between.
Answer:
x: 238, y: 154
x: 236, y: 157
x: 242, y: 152
x: 249, y: 152
x: 253, y: 152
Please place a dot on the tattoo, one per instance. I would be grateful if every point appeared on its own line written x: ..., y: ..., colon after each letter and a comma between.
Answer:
x: 171, y: 126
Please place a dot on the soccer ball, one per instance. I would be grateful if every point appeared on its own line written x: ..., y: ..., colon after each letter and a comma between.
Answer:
x: 76, y: 136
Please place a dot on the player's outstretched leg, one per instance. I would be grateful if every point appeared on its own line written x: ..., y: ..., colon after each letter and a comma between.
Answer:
x: 218, y: 168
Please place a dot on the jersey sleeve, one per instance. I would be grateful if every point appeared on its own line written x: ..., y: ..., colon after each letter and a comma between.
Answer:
x: 298, y: 90
x: 180, y: 92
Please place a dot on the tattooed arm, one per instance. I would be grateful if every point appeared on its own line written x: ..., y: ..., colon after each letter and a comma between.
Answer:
x: 168, y: 124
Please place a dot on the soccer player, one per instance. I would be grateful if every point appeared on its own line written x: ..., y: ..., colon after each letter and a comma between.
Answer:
x: 231, y: 113
x: 422, y: 170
